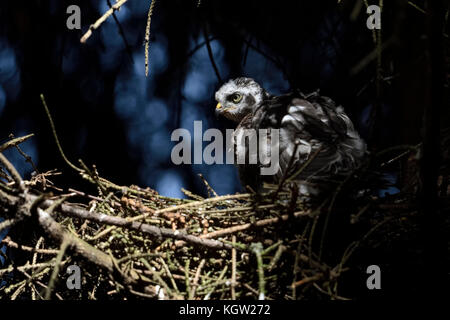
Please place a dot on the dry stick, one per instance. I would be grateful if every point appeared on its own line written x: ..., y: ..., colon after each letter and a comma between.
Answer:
x: 13, y: 172
x: 23, y: 154
x: 271, y: 248
x: 210, y: 189
x: 329, y: 294
x: 26, y: 267
x: 38, y: 274
x: 52, y: 125
x: 18, y: 291
x: 147, y: 35
x: 416, y: 7
x: 296, y: 267
x: 39, y: 242
x: 138, y: 226
x: 276, y: 257
x: 192, y: 195
x: 233, y: 269
x: 101, y: 234
x: 187, y: 279
x: 84, y: 249
x: 102, y: 19
x: 36, y: 249
x: 219, y: 280
x: 14, y: 142
x: 5, y: 176
x: 260, y: 223
x: 195, y: 282
x: 84, y: 194
x: 30, y: 278
x: 246, y: 285
x: 192, y: 204
x: 138, y: 256
x: 307, y: 280
x: 7, y: 223
x: 169, y: 274
x: 257, y: 248
x: 156, y: 276
x: 240, y: 209
x: 59, y: 257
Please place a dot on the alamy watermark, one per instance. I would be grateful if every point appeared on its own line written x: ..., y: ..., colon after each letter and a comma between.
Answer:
x: 374, y: 280
x: 74, y: 279
x: 245, y: 146
x: 74, y: 20
x: 374, y: 19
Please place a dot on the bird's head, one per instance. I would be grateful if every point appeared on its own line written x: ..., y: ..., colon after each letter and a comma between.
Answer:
x: 239, y: 97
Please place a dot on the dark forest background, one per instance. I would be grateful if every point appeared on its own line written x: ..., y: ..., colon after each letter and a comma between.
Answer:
x: 108, y: 113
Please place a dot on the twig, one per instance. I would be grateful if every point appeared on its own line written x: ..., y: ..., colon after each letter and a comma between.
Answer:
x: 210, y: 53
x: 15, y: 245
x: 147, y: 36
x: 23, y: 154
x: 233, y: 269
x: 412, y: 4
x: 210, y: 189
x: 36, y: 247
x: 216, y: 283
x: 194, y: 204
x: 122, y: 33
x: 102, y: 19
x: 307, y: 280
x: 44, y: 103
x: 196, y: 277
x: 28, y: 267
x: 13, y: 172
x: 59, y: 257
x: 39, y: 283
x: 138, y: 226
x: 276, y: 257
x: 14, y: 142
x: 257, y: 248
x: 169, y: 274
x: 260, y: 223
x: 56, y: 231
x: 187, y: 279
x: 84, y: 194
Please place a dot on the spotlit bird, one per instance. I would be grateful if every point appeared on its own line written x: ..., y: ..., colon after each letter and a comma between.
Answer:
x: 317, y: 140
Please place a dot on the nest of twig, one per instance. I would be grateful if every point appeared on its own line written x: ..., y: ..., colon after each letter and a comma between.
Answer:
x: 132, y: 242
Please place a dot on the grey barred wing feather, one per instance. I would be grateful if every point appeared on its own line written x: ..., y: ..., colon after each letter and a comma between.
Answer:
x: 324, y: 140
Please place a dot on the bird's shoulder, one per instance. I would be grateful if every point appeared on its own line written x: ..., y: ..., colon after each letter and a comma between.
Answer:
x: 308, y: 113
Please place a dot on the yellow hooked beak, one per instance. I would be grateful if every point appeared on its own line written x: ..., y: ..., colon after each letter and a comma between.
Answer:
x: 219, y: 106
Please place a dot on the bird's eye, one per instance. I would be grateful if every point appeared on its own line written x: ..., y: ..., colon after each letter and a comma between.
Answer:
x: 236, y: 98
